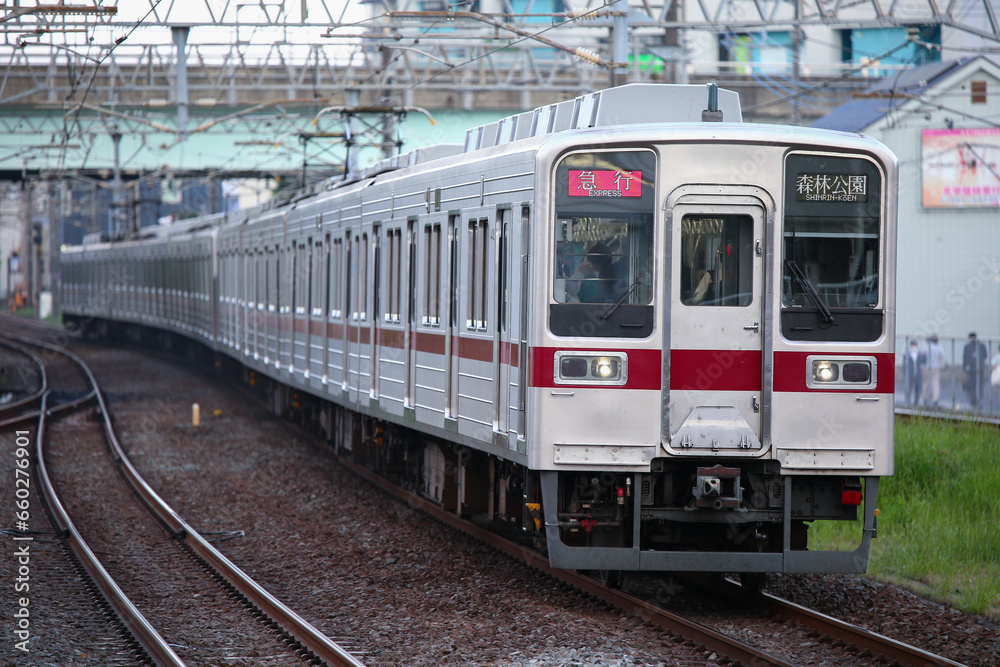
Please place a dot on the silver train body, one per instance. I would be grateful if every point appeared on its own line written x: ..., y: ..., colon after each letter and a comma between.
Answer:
x: 643, y: 340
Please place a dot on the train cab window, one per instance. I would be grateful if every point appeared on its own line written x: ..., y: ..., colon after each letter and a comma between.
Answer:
x: 831, y: 245
x: 716, y: 260
x: 832, y: 260
x: 603, y: 251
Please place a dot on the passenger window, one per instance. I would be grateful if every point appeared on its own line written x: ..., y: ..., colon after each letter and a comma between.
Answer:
x: 716, y: 260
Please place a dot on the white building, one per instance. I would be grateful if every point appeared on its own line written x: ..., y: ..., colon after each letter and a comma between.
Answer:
x: 943, y: 122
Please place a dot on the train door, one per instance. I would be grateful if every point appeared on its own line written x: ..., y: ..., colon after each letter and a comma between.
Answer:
x: 308, y: 262
x: 363, y: 278
x: 326, y: 307
x: 250, y: 301
x: 358, y: 361
x: 348, y: 295
x: 391, y: 366
x: 501, y: 338
x: 271, y: 326
x: 260, y: 338
x: 282, y: 261
x: 335, y: 350
x: 409, y: 353
x: 351, y: 361
x: 521, y: 330
x: 430, y: 357
x: 476, y: 380
x: 451, y: 332
x: 716, y: 328
x: 299, y: 270
x: 375, y: 277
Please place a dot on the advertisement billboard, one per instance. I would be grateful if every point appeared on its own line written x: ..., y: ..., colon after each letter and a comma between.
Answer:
x: 961, y: 168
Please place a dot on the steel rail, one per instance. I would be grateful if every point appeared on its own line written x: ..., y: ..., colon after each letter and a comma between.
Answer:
x: 322, y: 646
x: 880, y: 645
x: 306, y: 634
x: 35, y: 359
x: 147, y: 636
x: 716, y: 641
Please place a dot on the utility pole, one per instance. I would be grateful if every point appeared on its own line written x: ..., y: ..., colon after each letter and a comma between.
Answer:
x: 180, y: 34
x: 28, y: 260
x: 619, y: 38
x: 353, y: 130
x: 796, y: 58
x: 55, y: 239
x: 117, y: 203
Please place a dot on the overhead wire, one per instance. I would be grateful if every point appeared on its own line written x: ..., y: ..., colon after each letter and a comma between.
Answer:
x: 768, y: 82
x: 508, y: 42
x: 70, y: 127
x: 823, y: 83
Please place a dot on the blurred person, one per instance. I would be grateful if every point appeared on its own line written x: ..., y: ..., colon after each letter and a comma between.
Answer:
x: 974, y: 363
x: 914, y: 362
x: 935, y: 364
x: 593, y: 281
x: 995, y: 374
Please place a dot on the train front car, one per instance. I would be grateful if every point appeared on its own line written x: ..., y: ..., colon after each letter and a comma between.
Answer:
x: 714, y: 368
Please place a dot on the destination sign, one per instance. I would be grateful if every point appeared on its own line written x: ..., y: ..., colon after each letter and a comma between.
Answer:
x: 604, y: 183
x: 831, y: 187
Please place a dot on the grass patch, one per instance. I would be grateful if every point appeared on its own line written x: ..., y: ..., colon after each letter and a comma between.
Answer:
x: 939, y: 529
x: 29, y: 312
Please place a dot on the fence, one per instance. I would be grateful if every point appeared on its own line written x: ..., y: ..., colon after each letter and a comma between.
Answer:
x: 959, y: 391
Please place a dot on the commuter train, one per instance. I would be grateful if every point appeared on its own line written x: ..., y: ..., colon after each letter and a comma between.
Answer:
x: 631, y: 328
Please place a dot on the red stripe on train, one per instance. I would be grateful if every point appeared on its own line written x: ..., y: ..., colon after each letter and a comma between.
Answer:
x: 644, y: 368
x: 790, y: 370
x: 714, y: 370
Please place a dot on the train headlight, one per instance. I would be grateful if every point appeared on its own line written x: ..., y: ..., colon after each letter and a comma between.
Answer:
x: 826, y: 372
x: 597, y: 368
x: 606, y: 368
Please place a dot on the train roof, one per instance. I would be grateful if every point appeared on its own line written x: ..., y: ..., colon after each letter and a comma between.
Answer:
x: 628, y: 105
x: 631, y: 104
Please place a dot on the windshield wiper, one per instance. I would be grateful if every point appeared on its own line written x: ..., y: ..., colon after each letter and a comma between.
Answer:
x: 610, y: 311
x: 810, y: 290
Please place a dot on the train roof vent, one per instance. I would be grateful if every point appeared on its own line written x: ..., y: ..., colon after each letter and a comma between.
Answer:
x: 414, y: 157
x: 624, y: 105
x: 435, y: 152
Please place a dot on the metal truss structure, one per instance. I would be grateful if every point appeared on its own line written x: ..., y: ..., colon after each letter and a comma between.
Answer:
x: 81, y: 69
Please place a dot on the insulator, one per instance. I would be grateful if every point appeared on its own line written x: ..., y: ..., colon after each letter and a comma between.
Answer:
x: 585, y: 54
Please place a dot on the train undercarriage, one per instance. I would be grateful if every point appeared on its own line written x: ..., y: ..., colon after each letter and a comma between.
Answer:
x: 732, y: 516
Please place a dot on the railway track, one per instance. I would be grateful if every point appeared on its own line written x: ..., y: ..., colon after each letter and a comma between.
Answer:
x: 866, y: 642
x: 288, y: 632
x: 868, y: 645
x: 56, y: 546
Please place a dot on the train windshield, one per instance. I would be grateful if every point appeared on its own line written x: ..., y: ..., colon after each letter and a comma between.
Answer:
x: 603, y: 250
x: 831, y: 261
x: 604, y: 260
x: 831, y: 247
